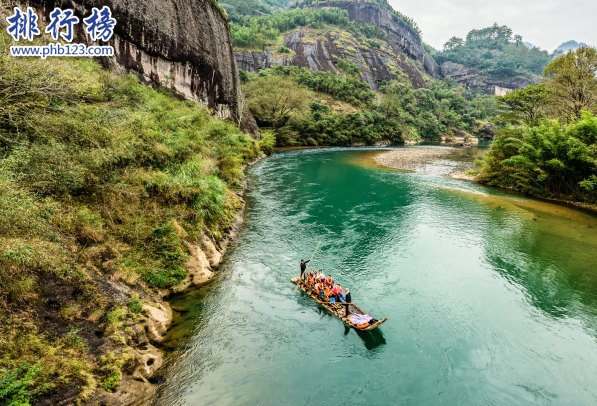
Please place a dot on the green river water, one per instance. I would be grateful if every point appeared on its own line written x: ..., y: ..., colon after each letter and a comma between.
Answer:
x: 491, y: 296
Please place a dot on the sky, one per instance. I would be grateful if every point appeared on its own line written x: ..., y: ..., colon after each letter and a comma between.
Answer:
x: 543, y: 23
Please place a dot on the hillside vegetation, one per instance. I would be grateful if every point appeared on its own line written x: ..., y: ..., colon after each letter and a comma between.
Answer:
x: 495, y: 51
x: 262, y: 32
x: 288, y: 100
x: 98, y: 176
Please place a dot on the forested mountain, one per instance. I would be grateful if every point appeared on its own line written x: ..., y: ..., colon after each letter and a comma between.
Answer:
x: 382, y: 42
x: 495, y: 51
x: 345, y: 72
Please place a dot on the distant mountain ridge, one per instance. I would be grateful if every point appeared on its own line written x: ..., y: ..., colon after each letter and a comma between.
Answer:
x: 570, y: 45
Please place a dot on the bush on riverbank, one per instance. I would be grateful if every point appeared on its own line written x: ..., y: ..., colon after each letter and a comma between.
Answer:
x: 549, y: 160
x: 98, y: 175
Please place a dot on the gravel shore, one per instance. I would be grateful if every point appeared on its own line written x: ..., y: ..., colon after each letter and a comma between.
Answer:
x: 437, y: 161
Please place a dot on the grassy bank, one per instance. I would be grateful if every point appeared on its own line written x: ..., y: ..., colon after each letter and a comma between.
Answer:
x: 99, y: 175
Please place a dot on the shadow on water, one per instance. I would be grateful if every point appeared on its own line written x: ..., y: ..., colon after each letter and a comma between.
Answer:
x: 372, y: 339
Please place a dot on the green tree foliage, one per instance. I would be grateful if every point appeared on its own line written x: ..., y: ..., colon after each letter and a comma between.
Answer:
x: 571, y: 79
x: 452, y: 43
x: 494, y: 50
x: 366, y: 30
x: 346, y: 88
x: 396, y: 112
x: 263, y: 31
x: 551, y: 159
x: 259, y: 32
x: 557, y: 157
x: 239, y: 10
x: 525, y: 105
x: 272, y: 100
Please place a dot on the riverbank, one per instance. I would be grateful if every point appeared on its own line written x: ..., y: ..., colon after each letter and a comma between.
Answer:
x: 437, y: 161
x: 207, y: 252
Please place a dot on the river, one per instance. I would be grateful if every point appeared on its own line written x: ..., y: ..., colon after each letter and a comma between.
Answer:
x: 491, y: 296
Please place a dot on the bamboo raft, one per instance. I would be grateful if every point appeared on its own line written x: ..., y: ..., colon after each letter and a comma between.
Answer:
x: 339, y: 310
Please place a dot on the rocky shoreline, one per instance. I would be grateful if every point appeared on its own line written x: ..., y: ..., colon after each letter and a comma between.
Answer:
x: 438, y: 161
x: 136, y: 387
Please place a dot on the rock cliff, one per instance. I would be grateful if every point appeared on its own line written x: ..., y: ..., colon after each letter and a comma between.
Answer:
x: 472, y: 79
x: 401, y: 54
x: 183, y: 45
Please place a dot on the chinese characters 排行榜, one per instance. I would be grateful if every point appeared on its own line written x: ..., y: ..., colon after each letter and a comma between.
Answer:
x: 100, y: 25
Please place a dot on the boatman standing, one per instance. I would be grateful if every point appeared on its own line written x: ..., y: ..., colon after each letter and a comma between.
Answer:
x: 348, y: 301
x: 303, y: 266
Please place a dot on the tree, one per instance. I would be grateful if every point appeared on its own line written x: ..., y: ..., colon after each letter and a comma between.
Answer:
x: 504, y: 67
x: 453, y: 43
x: 525, y: 105
x: 273, y: 99
x: 572, y: 82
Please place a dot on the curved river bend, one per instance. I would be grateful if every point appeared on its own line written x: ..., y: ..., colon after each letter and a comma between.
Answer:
x: 491, y: 297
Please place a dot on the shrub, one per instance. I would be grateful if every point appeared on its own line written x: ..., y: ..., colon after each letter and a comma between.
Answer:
x: 267, y: 141
x: 135, y: 305
x: 17, y: 386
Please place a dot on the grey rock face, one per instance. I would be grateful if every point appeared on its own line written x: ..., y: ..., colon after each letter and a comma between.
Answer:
x: 472, y: 79
x: 406, y: 52
x: 401, y: 36
x: 183, y: 45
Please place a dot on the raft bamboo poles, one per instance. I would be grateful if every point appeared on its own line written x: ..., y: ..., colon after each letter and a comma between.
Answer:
x: 338, y: 310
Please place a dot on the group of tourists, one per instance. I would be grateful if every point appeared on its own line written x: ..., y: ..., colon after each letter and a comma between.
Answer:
x: 324, y: 286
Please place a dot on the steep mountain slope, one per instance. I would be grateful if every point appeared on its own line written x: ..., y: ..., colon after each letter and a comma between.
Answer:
x: 183, y: 45
x: 396, y: 50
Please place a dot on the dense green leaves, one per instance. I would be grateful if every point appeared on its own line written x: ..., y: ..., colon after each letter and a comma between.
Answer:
x: 525, y: 104
x: 551, y: 159
x: 572, y: 81
x: 394, y: 113
x: 494, y: 51
x: 349, y: 89
x: 272, y: 100
x: 259, y: 32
